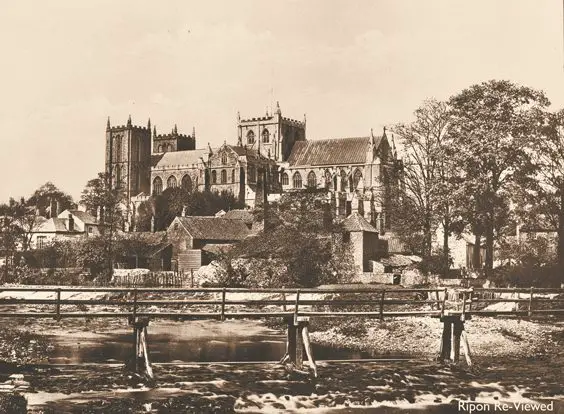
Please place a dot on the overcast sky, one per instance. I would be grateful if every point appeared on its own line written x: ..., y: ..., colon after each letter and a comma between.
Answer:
x: 349, y: 65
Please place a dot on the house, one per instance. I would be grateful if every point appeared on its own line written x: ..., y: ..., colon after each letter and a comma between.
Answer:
x: 68, y: 224
x: 189, y: 235
x: 363, y: 237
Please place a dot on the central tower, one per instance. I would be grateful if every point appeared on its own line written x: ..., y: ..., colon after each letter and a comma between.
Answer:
x: 272, y: 135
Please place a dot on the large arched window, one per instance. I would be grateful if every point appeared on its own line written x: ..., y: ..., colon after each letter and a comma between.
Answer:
x: 214, y: 177
x: 297, y: 180
x: 157, y: 186
x: 171, y: 182
x: 223, y: 176
x: 251, y: 137
x: 285, y: 179
x: 311, y: 180
x: 118, y: 148
x: 186, y: 183
x: 327, y: 179
x: 356, y: 179
x: 265, y: 136
x: 343, y: 180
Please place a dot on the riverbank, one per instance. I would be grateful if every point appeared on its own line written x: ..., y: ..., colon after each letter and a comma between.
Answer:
x: 420, y: 337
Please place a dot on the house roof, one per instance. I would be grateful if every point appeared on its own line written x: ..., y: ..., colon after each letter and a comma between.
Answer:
x: 214, y: 228
x: 83, y: 216
x: 239, y: 214
x: 178, y: 158
x: 355, y: 222
x: 338, y: 151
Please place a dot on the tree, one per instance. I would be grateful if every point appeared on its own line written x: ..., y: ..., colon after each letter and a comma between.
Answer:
x: 542, y: 202
x: 100, y: 196
x: 45, y: 196
x: 424, y: 201
x: 491, y: 128
x: 27, y: 222
x: 9, y: 233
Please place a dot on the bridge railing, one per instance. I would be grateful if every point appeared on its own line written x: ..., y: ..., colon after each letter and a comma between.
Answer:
x: 218, y: 303
x: 233, y: 303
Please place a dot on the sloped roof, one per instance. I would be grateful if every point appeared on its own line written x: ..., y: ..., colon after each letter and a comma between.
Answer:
x: 338, y: 151
x: 214, y: 228
x: 245, y: 151
x: 355, y: 222
x: 83, y: 216
x: 239, y: 214
x: 178, y: 158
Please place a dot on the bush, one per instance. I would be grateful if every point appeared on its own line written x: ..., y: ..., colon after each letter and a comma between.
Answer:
x: 527, y: 275
x: 436, y: 263
x: 13, y: 404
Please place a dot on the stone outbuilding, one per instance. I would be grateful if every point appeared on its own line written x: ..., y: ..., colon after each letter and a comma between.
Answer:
x: 365, y: 243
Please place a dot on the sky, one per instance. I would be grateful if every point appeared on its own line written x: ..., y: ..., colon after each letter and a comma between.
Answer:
x: 350, y: 65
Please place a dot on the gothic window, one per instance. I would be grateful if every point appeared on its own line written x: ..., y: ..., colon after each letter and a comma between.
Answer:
x: 224, y: 158
x: 233, y: 176
x: 250, y: 137
x: 214, y: 177
x: 157, y: 186
x: 343, y: 180
x: 118, y: 176
x: 265, y: 136
x: 135, y: 178
x: 311, y: 180
x: 285, y: 179
x: 357, y: 178
x: 327, y: 179
x: 118, y: 148
x: 160, y: 148
x: 186, y: 183
x: 223, y: 176
x: 297, y: 180
x: 171, y: 182
x: 252, y: 174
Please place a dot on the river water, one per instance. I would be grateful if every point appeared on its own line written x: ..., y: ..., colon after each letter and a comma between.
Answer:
x: 192, y: 376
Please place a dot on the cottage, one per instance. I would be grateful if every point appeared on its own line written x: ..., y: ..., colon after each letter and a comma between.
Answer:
x: 364, y: 240
x: 68, y: 224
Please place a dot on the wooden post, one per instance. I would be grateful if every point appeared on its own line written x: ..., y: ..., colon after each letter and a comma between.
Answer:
x: 284, y: 301
x: 141, y: 363
x: 58, y: 306
x: 531, y: 303
x: 458, y: 327
x: 223, y: 293
x: 446, y: 339
x: 296, y: 306
x: 466, y: 348
x: 444, y: 302
x: 295, y: 344
x: 463, y: 315
x: 134, y: 304
x: 304, y: 324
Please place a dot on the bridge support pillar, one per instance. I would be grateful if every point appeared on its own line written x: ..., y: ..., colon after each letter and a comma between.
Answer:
x: 140, y: 363
x: 298, y: 341
x: 453, y: 334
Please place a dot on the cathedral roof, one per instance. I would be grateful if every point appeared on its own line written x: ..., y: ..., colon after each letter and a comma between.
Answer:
x: 337, y: 151
x: 178, y: 158
x: 214, y: 228
x: 355, y: 222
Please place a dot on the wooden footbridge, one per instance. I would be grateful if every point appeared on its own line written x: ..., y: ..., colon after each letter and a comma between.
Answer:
x: 295, y: 306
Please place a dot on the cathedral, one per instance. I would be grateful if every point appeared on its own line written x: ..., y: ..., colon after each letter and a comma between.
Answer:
x: 271, y: 156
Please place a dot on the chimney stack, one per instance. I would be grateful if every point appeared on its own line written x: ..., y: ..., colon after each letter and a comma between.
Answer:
x: 71, y: 222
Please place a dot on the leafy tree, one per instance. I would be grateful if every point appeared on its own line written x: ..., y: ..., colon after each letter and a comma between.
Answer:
x: 425, y: 200
x: 9, y: 233
x: 43, y: 197
x: 491, y: 128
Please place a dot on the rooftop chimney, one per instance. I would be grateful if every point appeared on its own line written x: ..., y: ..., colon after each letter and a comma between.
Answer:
x: 71, y: 222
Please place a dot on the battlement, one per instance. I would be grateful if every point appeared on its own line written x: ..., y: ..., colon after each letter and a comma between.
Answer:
x: 262, y: 118
x: 172, y: 136
x: 294, y: 122
x: 120, y: 128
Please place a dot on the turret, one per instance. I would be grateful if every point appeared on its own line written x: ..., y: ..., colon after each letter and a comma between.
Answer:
x: 108, y: 127
x: 154, y: 131
x: 129, y: 122
x: 149, y: 124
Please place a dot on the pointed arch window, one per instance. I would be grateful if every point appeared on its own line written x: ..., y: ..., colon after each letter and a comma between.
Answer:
x: 265, y: 136
x: 214, y: 177
x: 251, y: 137
x: 297, y: 180
x: 223, y: 176
x: 171, y: 182
x: 285, y: 179
x: 343, y: 180
x: 186, y: 183
x: 157, y: 186
x: 311, y: 180
x: 118, y: 148
x: 356, y: 179
x: 233, y: 175
x: 327, y: 179
x: 160, y: 148
x: 224, y: 158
